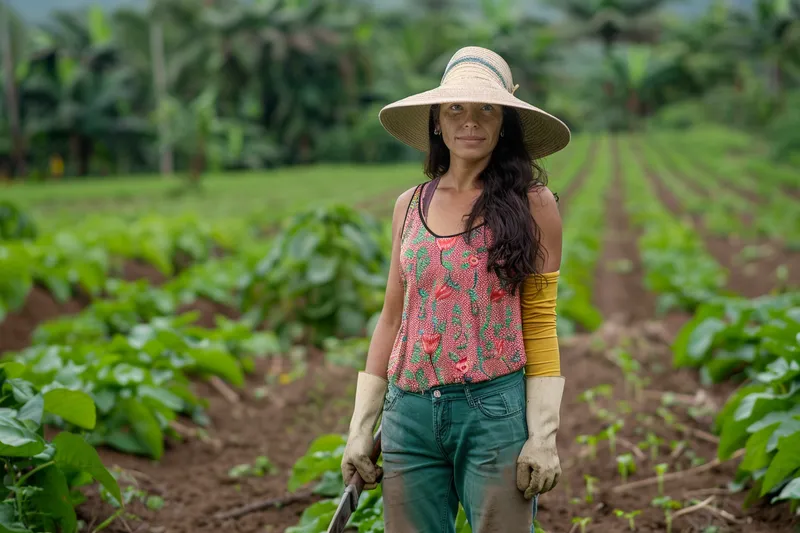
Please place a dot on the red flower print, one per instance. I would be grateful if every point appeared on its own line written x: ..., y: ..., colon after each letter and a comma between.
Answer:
x: 446, y: 243
x: 499, y: 346
x: 443, y: 291
x: 462, y: 365
x: 430, y: 341
x: 473, y: 260
x: 497, y: 295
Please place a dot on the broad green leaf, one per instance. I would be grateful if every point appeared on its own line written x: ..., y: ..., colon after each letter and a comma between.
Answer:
x: 786, y: 461
x: 72, y: 452
x: 144, y: 426
x: 322, y: 269
x: 702, y: 338
x: 75, y: 407
x: 23, y: 390
x: 17, y: 440
x: 163, y: 396
x: 32, y: 410
x: 790, y: 492
x: 756, y: 456
x: 219, y: 363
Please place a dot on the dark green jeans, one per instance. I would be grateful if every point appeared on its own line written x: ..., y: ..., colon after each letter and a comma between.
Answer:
x: 455, y: 444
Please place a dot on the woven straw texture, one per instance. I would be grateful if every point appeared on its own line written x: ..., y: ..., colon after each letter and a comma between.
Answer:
x: 474, y: 74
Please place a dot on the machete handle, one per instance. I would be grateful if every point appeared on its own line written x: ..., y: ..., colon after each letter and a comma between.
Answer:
x: 373, y: 456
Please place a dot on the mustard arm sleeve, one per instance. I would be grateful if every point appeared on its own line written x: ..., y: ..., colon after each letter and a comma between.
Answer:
x: 539, y: 325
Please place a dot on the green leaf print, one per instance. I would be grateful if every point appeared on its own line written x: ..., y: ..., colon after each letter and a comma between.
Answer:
x: 408, y: 374
x: 423, y: 260
x: 454, y: 357
x: 416, y: 354
x: 422, y: 379
x: 436, y: 354
x: 508, y: 316
x: 465, y: 253
x: 409, y: 254
x: 457, y: 311
x: 440, y: 327
x: 420, y: 236
x: 497, y: 329
x: 448, y: 265
x: 423, y: 308
x: 464, y: 266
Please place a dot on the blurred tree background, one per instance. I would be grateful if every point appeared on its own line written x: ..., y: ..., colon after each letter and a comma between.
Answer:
x: 185, y: 86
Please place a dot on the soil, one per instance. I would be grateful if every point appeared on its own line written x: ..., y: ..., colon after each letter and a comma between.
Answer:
x: 17, y: 327
x: 619, y: 291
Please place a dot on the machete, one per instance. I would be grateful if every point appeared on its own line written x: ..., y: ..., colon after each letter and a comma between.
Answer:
x: 349, y: 501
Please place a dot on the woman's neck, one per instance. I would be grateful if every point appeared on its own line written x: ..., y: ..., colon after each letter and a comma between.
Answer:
x: 463, y: 175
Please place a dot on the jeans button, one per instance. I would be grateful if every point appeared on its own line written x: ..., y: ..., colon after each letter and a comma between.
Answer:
x: 437, y: 394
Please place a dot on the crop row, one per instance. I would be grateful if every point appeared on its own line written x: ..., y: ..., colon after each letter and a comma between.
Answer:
x: 677, y: 266
x: 728, y: 337
x: 740, y: 203
x: 583, y: 230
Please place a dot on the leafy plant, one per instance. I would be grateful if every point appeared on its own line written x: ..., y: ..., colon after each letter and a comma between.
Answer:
x: 42, y: 476
x: 15, y: 224
x: 326, y: 272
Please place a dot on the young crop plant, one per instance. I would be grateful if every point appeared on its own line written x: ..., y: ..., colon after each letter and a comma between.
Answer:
x: 757, y: 342
x: 629, y: 517
x: 42, y: 476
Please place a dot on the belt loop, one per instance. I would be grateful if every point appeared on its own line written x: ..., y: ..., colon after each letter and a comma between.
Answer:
x: 468, y: 395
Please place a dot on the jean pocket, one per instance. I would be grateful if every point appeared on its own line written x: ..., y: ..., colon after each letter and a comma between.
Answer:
x: 392, y: 395
x: 502, y: 404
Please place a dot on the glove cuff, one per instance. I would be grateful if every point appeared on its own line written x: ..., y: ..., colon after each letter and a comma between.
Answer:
x: 543, y: 404
x: 370, y: 392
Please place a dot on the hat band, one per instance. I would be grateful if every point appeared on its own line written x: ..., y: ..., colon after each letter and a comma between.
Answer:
x: 474, y: 59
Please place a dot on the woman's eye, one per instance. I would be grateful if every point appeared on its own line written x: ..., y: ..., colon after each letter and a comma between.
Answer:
x: 488, y: 107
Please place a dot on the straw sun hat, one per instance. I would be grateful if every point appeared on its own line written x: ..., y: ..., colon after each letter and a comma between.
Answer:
x: 474, y: 74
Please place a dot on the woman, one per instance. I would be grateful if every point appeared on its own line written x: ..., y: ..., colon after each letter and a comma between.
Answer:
x: 464, y: 362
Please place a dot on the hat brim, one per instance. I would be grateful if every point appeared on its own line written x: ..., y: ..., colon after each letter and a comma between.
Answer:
x: 407, y: 119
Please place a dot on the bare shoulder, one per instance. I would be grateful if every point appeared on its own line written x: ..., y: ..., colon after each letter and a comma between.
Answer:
x: 542, y: 201
x: 401, y: 206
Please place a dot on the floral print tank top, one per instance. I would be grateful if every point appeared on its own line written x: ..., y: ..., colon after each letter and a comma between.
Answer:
x: 458, y: 324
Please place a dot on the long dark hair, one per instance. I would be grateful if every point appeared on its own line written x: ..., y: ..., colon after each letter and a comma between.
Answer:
x: 503, y: 203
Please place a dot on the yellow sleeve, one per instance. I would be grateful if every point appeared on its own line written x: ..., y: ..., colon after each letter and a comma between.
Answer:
x: 539, y: 325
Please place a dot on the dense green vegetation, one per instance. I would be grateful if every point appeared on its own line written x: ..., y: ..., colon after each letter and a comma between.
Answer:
x: 198, y: 85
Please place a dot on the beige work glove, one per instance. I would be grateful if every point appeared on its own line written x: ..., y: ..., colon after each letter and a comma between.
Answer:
x: 370, y: 392
x: 538, y: 467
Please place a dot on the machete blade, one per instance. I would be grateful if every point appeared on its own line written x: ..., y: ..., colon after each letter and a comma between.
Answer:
x: 347, y: 505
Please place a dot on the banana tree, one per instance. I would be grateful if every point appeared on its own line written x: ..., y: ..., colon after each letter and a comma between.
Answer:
x: 771, y: 34
x: 610, y: 21
x: 79, y: 95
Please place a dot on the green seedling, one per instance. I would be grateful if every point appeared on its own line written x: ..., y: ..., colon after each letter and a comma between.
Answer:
x: 261, y: 467
x: 590, y: 395
x: 624, y: 407
x: 582, y: 522
x: 629, y: 516
x: 591, y: 442
x: 611, y: 434
x: 626, y: 465
x: 652, y: 442
x: 661, y: 469
x: 590, y: 487
x: 668, y: 504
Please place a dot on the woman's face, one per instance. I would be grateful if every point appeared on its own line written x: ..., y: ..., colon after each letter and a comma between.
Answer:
x: 470, y: 130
